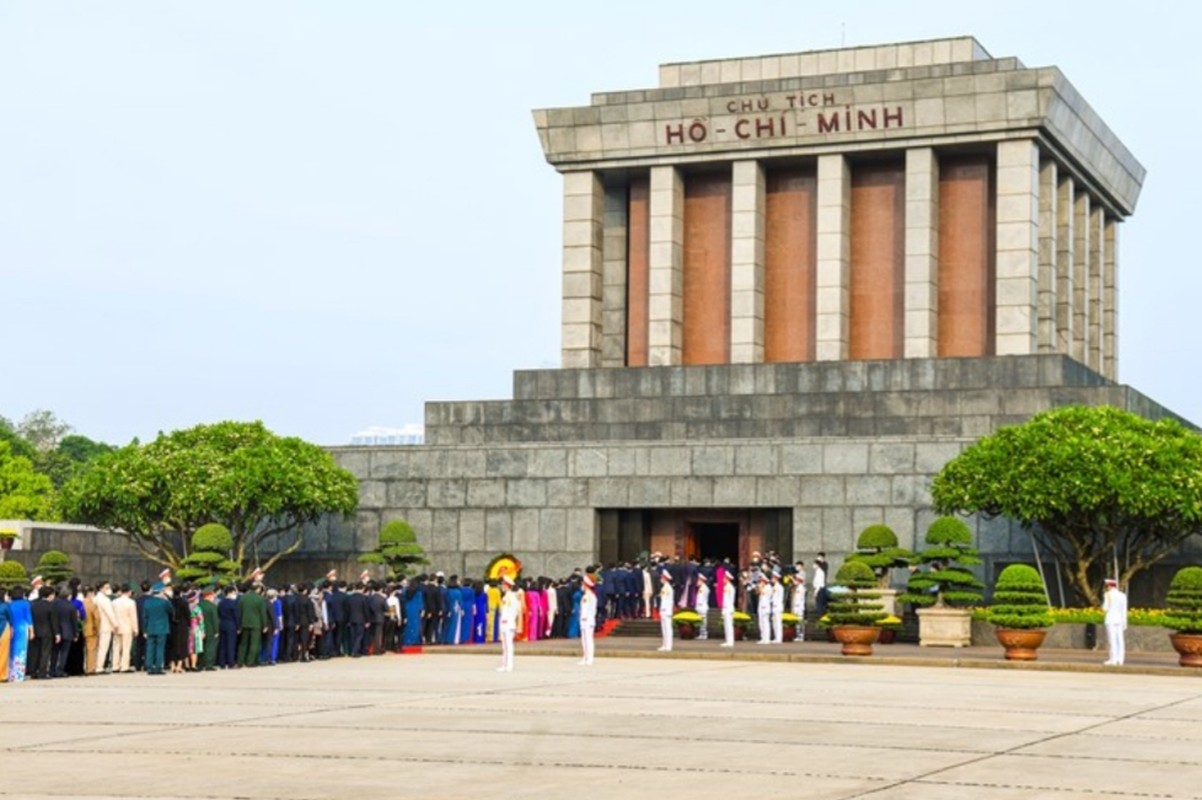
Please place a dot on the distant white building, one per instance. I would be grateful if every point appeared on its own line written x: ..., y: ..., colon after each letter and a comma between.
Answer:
x: 380, y: 435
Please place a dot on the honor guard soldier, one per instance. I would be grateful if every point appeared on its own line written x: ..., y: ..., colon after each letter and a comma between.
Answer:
x: 508, y: 622
x: 702, y: 604
x: 588, y: 619
x: 728, y: 609
x: 665, y: 610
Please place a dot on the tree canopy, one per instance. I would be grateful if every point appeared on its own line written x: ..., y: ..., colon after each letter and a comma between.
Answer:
x: 1097, y: 485
x: 24, y: 492
x: 238, y: 474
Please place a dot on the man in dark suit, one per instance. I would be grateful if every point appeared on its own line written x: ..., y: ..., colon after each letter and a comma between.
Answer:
x: 66, y: 617
x: 379, y: 612
x: 227, y: 621
x: 358, y: 618
x: 212, y: 629
x: 331, y: 640
x: 140, y: 604
x: 45, y: 633
x: 290, y: 634
x: 432, y: 602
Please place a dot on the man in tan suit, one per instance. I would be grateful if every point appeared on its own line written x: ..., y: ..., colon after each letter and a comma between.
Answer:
x: 91, y: 630
x: 106, y: 624
x: 126, y: 629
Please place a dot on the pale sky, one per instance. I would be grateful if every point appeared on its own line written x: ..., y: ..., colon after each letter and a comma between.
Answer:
x: 323, y: 214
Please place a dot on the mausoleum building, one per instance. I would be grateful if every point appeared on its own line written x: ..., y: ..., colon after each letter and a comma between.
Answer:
x: 794, y: 286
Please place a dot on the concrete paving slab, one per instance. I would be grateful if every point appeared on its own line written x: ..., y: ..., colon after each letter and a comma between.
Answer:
x: 447, y: 725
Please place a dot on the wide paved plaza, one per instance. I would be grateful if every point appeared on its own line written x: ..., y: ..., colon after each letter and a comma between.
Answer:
x: 448, y: 725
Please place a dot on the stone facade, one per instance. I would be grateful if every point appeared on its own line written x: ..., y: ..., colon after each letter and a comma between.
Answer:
x: 839, y: 446
x: 840, y: 112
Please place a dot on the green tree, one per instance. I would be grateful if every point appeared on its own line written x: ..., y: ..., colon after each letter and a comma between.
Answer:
x: 24, y: 492
x: 264, y: 488
x: 877, y: 546
x: 20, y: 447
x: 43, y: 430
x: 947, y: 557
x: 12, y: 575
x: 1096, y: 485
x: 398, y: 549
x: 54, y: 566
x: 210, y: 556
x: 72, y: 455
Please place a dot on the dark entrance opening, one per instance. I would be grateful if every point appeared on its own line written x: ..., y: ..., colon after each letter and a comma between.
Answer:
x: 717, y: 540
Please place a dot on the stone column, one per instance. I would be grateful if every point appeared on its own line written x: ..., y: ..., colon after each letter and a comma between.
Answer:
x: 1110, y: 301
x: 833, y: 301
x: 922, y: 254
x: 1080, y: 349
x: 1097, y: 256
x: 1065, y: 285
x: 665, y: 332
x: 1017, y: 283
x: 747, y: 263
x: 1048, y: 251
x: 613, y: 279
x: 583, y: 212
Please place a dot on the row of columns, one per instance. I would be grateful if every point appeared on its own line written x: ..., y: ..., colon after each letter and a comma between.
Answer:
x: 1055, y: 263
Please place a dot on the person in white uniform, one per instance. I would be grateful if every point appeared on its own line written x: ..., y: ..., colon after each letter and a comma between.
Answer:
x: 1115, y: 605
x: 648, y: 588
x: 702, y: 605
x: 763, y: 608
x: 666, y: 596
x: 728, y: 609
x: 588, y: 619
x: 508, y: 622
x: 778, y: 608
x: 818, y: 584
x: 799, y: 600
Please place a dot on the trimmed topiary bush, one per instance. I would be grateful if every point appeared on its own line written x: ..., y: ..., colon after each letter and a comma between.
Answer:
x: 54, y: 566
x: 1020, y: 600
x: 210, y: 559
x: 877, y: 546
x: 398, y: 549
x: 947, y: 580
x: 12, y: 574
x: 1183, y: 602
x: 213, y: 537
x: 856, y: 604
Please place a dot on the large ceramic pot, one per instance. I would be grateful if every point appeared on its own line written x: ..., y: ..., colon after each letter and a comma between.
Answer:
x: 788, y: 633
x: 740, y: 633
x: 888, y: 636
x: 686, y: 630
x: 1189, y: 647
x: 1021, y: 643
x: 856, y: 639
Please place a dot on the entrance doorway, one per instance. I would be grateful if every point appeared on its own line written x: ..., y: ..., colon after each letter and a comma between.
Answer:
x: 716, y: 540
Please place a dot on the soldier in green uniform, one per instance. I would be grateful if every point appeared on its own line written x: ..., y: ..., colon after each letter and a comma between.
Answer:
x: 256, y: 621
x: 158, y: 614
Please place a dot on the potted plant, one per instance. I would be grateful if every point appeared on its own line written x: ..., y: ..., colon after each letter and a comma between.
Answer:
x: 687, y: 624
x: 877, y: 546
x: 944, y: 584
x: 854, y: 609
x: 788, y: 626
x: 7, y: 537
x: 1184, y: 615
x: 742, y: 623
x: 890, y: 626
x: 1020, y: 611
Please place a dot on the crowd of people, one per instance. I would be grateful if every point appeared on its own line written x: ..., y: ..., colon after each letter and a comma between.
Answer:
x: 79, y: 629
